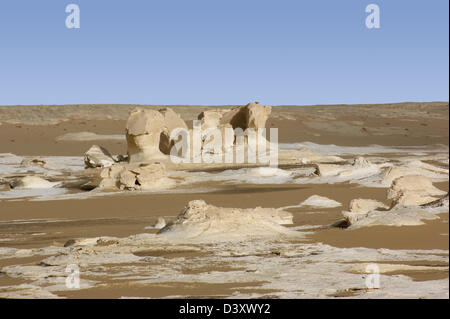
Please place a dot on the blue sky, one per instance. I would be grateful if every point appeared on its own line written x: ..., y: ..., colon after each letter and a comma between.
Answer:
x: 215, y: 52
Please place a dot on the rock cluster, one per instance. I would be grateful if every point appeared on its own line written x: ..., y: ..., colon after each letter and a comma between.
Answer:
x: 148, y: 132
x: 406, y: 193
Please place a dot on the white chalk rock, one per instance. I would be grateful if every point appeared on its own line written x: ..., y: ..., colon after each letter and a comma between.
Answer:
x: 359, y: 208
x: 413, y: 190
x: 172, y: 121
x: 143, y: 131
x: 252, y: 115
x: 148, y: 134
x: 151, y: 176
x: 320, y: 202
x: 200, y: 221
x: 33, y: 182
x: 362, y: 206
x: 211, y: 118
x: 98, y: 156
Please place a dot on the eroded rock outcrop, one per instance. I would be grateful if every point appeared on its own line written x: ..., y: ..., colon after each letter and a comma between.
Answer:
x: 211, y: 118
x: 33, y: 182
x: 252, y: 115
x: 200, y: 221
x: 172, y: 121
x: 98, y: 156
x: 413, y: 190
x: 359, y: 208
x: 37, y: 161
x: 143, y: 131
x: 413, y: 200
x: 148, y: 133
x: 151, y: 176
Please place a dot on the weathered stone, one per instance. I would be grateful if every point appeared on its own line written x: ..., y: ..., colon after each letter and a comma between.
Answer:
x: 253, y: 115
x: 32, y: 182
x: 200, y: 221
x: 98, y: 156
x: 211, y: 118
x: 131, y: 177
x: 413, y: 190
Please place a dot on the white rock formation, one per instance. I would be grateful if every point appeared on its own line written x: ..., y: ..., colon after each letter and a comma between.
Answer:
x: 413, y: 190
x: 316, y: 201
x: 148, y: 133
x: 441, y: 202
x: 359, y: 208
x: 172, y: 121
x: 143, y: 131
x: 252, y: 115
x: 211, y: 118
x: 200, y: 221
x: 414, y: 168
x: 37, y: 161
x: 33, y: 182
x: 362, y: 206
x: 151, y: 176
x: 413, y: 200
x: 403, y: 216
x: 98, y: 156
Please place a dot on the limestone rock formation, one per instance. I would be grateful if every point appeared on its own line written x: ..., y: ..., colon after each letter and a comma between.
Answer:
x: 413, y: 190
x: 98, y: 156
x: 172, y: 121
x: 200, y: 221
x: 359, y: 167
x: 413, y: 201
x: 37, y: 161
x: 211, y: 118
x: 362, y: 206
x: 143, y: 131
x: 149, y: 176
x: 359, y: 208
x: 252, y: 115
x: 148, y: 133
x: 32, y: 182
x: 441, y: 202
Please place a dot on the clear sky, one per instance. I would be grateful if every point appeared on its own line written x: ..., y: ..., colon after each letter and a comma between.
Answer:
x: 215, y: 52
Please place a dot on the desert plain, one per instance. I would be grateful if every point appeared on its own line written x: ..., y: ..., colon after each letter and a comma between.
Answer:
x: 359, y: 190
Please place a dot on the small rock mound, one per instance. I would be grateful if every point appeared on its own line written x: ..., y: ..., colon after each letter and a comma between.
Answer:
x: 200, y: 221
x: 32, y: 182
x: 359, y: 208
x: 33, y: 162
